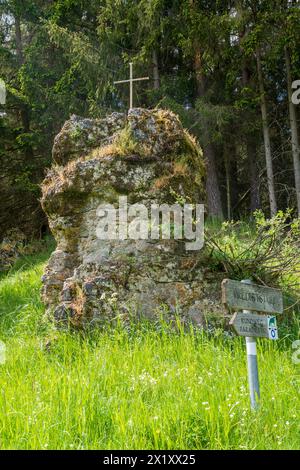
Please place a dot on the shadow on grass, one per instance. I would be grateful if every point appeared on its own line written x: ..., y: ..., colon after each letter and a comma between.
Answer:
x: 25, y: 262
x: 20, y: 303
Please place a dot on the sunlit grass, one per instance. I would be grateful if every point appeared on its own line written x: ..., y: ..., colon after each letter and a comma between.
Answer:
x: 146, y: 386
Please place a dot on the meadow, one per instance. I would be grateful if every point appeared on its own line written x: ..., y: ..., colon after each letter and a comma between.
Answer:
x: 136, y: 386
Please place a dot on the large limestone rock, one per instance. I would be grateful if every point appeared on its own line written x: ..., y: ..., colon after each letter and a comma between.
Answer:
x: 149, y: 158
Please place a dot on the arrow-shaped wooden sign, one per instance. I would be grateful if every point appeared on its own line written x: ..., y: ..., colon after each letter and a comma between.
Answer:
x: 251, y: 324
x: 239, y: 296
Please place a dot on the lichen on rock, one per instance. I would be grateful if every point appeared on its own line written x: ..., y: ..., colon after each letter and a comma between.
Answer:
x: 149, y: 158
x: 79, y: 135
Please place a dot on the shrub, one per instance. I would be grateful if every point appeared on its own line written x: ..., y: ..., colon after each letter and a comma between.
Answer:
x: 268, y: 252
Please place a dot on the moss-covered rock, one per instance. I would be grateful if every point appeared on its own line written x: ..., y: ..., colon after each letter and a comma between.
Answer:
x: 79, y: 135
x: 149, y: 158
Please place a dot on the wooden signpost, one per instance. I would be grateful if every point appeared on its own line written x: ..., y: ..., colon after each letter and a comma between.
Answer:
x: 242, y: 296
x: 251, y: 324
x: 248, y: 299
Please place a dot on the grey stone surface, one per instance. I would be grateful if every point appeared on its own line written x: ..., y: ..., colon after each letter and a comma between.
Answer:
x: 150, y: 158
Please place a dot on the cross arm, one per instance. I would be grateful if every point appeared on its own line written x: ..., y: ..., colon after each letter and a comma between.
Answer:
x: 142, y: 78
x: 122, y: 81
x: 132, y: 80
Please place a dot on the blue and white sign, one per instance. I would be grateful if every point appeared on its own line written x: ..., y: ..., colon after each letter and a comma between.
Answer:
x: 272, y: 325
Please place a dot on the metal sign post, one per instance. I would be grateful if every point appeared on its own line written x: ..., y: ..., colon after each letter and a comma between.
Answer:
x: 250, y: 298
x: 252, y: 364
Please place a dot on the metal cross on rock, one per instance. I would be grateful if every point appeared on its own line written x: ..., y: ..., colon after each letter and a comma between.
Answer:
x: 130, y: 81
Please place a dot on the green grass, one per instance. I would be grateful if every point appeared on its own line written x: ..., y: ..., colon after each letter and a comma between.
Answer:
x: 146, y: 386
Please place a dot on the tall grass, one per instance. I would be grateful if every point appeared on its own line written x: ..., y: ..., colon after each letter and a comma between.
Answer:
x: 132, y: 386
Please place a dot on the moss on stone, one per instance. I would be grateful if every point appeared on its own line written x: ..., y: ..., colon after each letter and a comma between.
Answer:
x: 150, y: 158
x: 123, y: 144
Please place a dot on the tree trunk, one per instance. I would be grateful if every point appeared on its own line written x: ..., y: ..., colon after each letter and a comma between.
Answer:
x: 254, y: 176
x: 19, y: 46
x: 267, y: 141
x: 24, y: 111
x: 294, y: 130
x: 228, y: 184
x: 156, y: 80
x: 212, y: 185
x: 231, y: 176
x: 251, y: 146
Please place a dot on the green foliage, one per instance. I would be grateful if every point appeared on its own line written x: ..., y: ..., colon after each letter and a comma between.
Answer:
x: 267, y: 251
x: 23, y: 182
x: 70, y: 53
x: 215, y: 118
